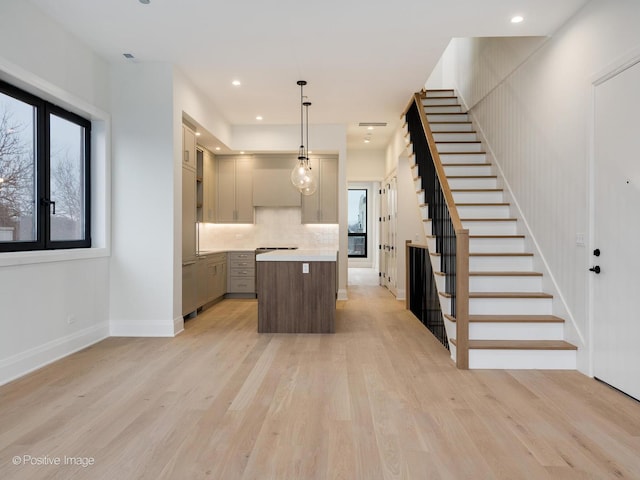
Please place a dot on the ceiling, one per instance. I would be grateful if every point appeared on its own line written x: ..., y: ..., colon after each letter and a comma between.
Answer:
x: 362, y: 59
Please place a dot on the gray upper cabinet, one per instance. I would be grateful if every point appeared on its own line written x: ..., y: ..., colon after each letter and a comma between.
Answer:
x: 322, y: 206
x: 188, y: 148
x: 234, y: 189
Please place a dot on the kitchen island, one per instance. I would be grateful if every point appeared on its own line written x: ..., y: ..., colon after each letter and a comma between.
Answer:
x: 297, y: 291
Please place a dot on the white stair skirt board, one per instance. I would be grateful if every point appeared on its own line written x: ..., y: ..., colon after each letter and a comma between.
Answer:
x: 455, y: 117
x: 522, y: 359
x: 454, y: 136
x: 477, y: 169
x: 486, y: 182
x: 477, y: 196
x: 505, y: 283
x: 484, y: 211
x: 459, y: 147
x: 510, y: 306
x: 515, y: 331
x: 443, y: 109
x: 490, y: 227
x: 431, y: 102
x: 500, y: 263
x: 504, y: 244
x: 439, y: 93
x: 451, y: 126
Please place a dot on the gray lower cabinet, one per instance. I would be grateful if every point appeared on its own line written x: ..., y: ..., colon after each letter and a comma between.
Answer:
x: 241, y: 267
x: 189, y: 287
x: 212, y: 277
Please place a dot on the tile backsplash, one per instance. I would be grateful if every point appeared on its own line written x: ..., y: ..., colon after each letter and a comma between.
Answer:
x: 272, y: 227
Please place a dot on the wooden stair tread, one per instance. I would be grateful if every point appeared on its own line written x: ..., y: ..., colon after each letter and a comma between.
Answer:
x: 497, y: 236
x: 482, y: 204
x: 492, y: 254
x: 518, y: 344
x: 485, y: 164
x: 472, y: 176
x: 505, y: 274
x: 462, y: 153
x: 466, y: 122
x: 510, y: 318
x: 521, y: 295
x: 477, y: 190
x: 456, y: 141
x: 488, y: 219
x: 509, y: 295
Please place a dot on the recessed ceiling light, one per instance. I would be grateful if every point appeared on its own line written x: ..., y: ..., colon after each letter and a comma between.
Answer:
x: 517, y: 19
x: 367, y: 140
x: 369, y: 128
x: 259, y: 117
x: 236, y: 83
x: 241, y: 153
x: 198, y: 134
x: 217, y: 149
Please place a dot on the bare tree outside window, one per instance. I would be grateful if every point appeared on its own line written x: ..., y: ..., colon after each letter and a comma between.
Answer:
x: 17, y: 167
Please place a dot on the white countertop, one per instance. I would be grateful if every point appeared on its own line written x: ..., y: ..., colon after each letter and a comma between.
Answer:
x: 298, y: 256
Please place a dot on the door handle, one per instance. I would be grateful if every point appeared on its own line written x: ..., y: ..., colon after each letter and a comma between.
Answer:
x: 595, y: 269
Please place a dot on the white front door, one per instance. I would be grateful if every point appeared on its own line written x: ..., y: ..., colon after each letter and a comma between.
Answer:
x: 616, y: 195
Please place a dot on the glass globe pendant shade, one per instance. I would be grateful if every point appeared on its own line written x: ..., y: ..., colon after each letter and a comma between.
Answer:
x: 299, y: 174
x: 311, y: 184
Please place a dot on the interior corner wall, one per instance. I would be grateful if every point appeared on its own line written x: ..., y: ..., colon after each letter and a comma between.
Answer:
x: 536, y: 121
x: 55, y: 302
x: 142, y: 262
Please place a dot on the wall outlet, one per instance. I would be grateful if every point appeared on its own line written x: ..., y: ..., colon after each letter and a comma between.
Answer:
x: 580, y: 239
x: 305, y: 268
x: 71, y: 319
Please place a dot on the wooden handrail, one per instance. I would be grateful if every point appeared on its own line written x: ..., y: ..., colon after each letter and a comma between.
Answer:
x: 462, y: 242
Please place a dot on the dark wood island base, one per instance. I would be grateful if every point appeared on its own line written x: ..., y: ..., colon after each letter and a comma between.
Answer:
x: 293, y: 301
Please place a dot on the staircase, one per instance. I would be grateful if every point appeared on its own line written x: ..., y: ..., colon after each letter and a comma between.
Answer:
x: 511, y: 323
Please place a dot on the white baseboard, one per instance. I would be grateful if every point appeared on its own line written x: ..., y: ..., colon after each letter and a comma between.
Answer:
x: 342, y: 294
x: 34, y: 358
x: 401, y: 294
x: 144, y: 328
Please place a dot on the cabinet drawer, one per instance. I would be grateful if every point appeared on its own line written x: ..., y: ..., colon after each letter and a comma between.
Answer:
x: 242, y: 264
x: 242, y: 256
x: 242, y: 272
x: 242, y: 285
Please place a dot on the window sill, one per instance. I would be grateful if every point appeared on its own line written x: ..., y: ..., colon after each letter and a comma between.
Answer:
x: 10, y: 259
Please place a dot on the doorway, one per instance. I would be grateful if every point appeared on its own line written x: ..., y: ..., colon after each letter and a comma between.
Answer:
x: 616, y: 227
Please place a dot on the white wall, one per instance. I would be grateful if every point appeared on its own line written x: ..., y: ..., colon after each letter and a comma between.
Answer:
x: 54, y: 303
x: 365, y: 165
x: 537, y: 125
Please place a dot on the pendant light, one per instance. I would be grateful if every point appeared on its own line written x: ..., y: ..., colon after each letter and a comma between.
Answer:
x: 301, y: 176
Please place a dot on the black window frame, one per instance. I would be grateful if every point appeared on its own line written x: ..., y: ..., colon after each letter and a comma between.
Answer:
x: 366, y: 219
x: 43, y: 205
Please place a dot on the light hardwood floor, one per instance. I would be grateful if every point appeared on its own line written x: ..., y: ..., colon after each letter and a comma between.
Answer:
x: 378, y: 399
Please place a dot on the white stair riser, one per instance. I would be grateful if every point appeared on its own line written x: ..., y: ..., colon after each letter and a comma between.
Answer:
x: 459, y: 147
x: 505, y: 283
x: 491, y: 228
x: 500, y: 264
x: 417, y: 183
x: 515, y: 331
x: 443, y: 109
x: 474, y: 182
x: 478, y: 197
x: 477, y: 169
x: 453, y: 158
x: 510, y: 306
x: 484, y: 211
x: 454, y: 137
x: 420, y: 196
x: 458, y: 117
x: 410, y: 149
x: 428, y: 230
x: 451, y: 127
x: 424, y: 212
x: 504, y: 245
x: 523, y: 359
x: 433, y: 101
x: 439, y: 93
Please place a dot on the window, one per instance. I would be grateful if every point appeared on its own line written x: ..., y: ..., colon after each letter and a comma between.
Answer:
x: 357, y: 223
x: 44, y: 174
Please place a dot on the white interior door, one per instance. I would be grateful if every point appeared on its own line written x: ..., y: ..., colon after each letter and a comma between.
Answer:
x: 616, y: 298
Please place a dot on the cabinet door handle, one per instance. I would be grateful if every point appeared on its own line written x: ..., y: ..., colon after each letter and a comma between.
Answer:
x: 186, y: 156
x: 186, y: 264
